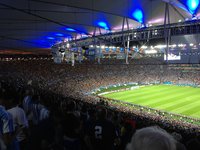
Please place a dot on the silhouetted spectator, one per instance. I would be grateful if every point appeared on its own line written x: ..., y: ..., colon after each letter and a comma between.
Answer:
x: 152, y: 138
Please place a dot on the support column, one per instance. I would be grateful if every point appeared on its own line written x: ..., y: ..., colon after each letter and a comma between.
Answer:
x: 128, y: 42
x: 167, y: 34
x: 99, y: 60
x: 99, y: 54
x: 95, y: 44
x: 127, y: 49
x: 100, y: 31
x: 123, y: 39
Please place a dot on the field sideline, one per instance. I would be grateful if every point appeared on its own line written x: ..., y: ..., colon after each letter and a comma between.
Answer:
x: 182, y: 100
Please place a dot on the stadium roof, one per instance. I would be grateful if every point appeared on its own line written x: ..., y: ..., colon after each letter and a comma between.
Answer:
x: 27, y: 24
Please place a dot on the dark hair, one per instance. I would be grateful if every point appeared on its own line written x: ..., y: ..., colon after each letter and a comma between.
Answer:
x: 101, y: 113
x: 70, y: 123
x: 36, y: 98
x: 71, y: 106
x: 9, y: 97
x: 193, y: 144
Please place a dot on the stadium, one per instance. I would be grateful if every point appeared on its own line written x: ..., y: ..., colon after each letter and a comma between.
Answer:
x: 95, y: 74
x: 156, y: 100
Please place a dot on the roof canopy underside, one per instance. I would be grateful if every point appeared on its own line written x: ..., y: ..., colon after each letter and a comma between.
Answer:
x: 26, y: 24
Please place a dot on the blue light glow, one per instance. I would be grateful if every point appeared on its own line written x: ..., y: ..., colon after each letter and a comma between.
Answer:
x: 59, y: 34
x: 138, y: 15
x: 103, y: 25
x: 50, y: 38
x: 192, y: 5
x: 70, y: 29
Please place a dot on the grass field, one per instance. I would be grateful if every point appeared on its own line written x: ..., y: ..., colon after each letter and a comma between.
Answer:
x: 182, y: 100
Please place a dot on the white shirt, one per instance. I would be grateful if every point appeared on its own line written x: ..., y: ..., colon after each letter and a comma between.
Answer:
x: 19, y: 119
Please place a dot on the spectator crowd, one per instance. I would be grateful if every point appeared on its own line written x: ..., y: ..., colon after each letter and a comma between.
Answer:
x: 45, y: 106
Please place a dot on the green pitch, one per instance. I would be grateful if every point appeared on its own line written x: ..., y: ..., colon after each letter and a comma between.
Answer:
x: 175, y: 99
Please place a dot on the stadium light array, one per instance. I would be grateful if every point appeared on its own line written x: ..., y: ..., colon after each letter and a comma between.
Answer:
x: 173, y: 46
x: 186, y: 19
x: 151, y: 51
x: 59, y: 34
x: 192, y: 5
x: 70, y: 29
x: 194, y: 47
x: 65, y: 39
x: 155, y: 32
x: 103, y: 25
x: 135, y: 35
x: 103, y: 46
x: 68, y: 45
x: 144, y: 47
x: 148, y: 25
x: 181, y: 45
x: 138, y: 15
x: 160, y: 46
x: 50, y: 38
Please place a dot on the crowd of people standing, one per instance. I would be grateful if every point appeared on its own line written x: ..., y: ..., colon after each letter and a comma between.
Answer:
x: 55, y: 112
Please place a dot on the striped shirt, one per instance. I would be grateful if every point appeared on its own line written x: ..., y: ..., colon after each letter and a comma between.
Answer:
x: 40, y: 112
x: 27, y: 104
x: 6, y: 125
x: 6, y: 122
x: 35, y: 109
x: 44, y: 114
